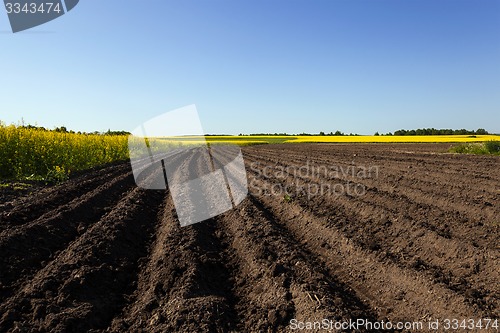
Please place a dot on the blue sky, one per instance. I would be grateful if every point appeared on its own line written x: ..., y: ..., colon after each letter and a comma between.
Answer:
x: 258, y: 66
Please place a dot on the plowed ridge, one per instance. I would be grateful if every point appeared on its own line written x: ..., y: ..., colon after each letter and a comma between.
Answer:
x: 414, y: 240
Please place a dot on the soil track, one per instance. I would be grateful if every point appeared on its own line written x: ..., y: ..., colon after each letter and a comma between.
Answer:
x: 382, y: 232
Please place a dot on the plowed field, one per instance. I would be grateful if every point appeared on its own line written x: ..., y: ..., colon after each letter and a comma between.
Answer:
x: 388, y: 232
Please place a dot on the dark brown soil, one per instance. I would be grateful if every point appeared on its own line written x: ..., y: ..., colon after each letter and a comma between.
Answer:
x: 417, y: 240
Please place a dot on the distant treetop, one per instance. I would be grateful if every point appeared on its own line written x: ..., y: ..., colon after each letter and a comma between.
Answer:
x: 63, y: 129
x: 433, y: 131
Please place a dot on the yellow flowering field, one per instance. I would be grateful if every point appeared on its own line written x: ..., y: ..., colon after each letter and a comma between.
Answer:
x: 250, y: 139
x: 31, y: 153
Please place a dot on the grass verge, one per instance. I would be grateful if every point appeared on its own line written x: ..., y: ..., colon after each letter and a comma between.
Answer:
x: 478, y: 148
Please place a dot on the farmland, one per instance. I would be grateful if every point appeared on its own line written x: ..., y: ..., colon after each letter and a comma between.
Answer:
x: 416, y: 240
x: 35, y: 154
x: 257, y: 139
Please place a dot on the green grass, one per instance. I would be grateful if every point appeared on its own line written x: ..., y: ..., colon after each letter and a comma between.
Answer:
x: 478, y: 148
x: 16, y: 186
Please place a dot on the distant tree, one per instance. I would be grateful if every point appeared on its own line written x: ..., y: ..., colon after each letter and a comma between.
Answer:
x: 433, y: 131
x: 400, y: 132
x: 481, y: 131
x: 322, y: 133
x: 109, y: 132
x: 376, y: 134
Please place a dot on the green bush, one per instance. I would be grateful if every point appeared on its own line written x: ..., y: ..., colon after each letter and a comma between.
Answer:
x: 493, y: 147
x: 489, y: 147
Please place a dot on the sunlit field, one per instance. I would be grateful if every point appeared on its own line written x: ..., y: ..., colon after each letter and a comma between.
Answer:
x: 34, y: 154
x: 31, y: 153
x: 246, y: 140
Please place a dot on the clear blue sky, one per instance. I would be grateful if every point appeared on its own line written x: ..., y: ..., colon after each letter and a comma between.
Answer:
x: 259, y: 66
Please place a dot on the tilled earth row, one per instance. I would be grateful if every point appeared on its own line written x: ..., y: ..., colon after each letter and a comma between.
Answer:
x: 399, y: 233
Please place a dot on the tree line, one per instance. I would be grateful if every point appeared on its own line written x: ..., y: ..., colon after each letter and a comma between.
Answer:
x: 403, y: 132
x: 433, y: 131
x: 336, y: 133
x: 63, y: 129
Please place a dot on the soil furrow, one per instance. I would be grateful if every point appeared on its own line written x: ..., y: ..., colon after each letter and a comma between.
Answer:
x: 27, y: 248
x: 84, y: 287
x: 399, y: 205
x: 420, y: 184
x: 96, y: 254
x: 409, y: 246
x: 362, y: 266
x: 280, y: 279
x: 29, y: 208
x: 187, y: 283
x: 419, y: 170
